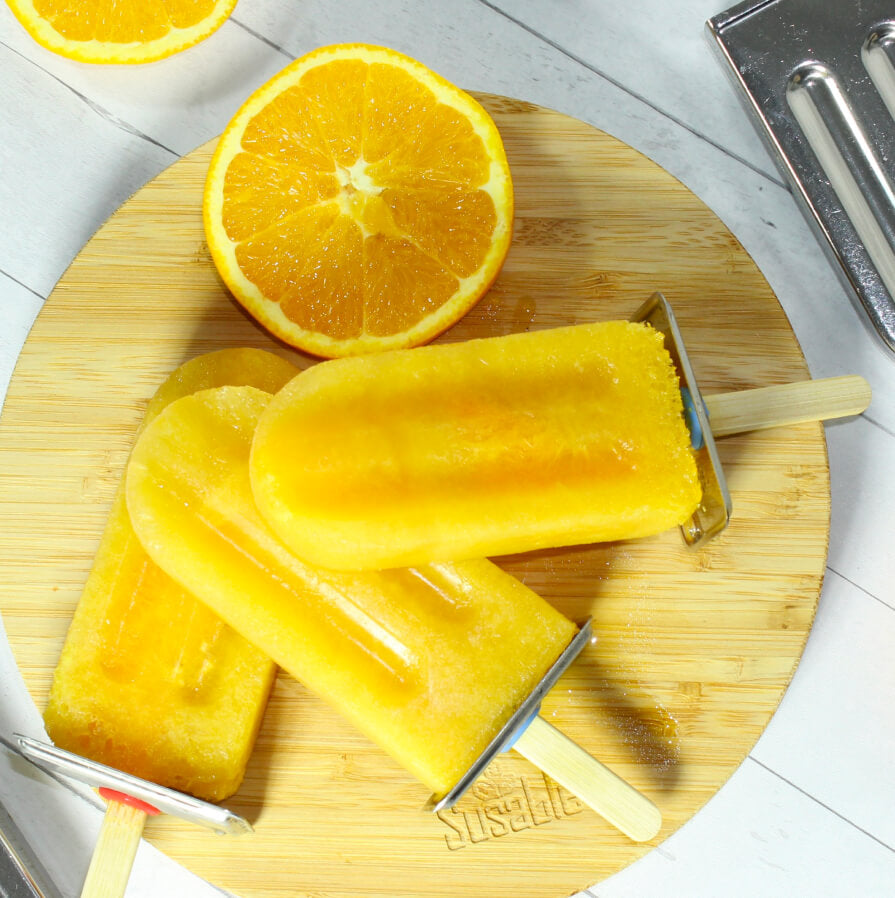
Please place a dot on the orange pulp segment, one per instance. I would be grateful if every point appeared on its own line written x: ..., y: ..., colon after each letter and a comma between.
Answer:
x: 120, y: 31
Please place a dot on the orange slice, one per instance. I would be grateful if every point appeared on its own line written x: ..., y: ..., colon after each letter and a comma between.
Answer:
x: 120, y: 31
x: 358, y: 202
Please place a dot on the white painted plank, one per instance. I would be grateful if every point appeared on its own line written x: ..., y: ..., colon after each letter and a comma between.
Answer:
x: 758, y: 836
x: 181, y: 101
x: 834, y: 734
x: 658, y: 51
x: 63, y: 170
x: 18, y: 308
x: 862, y: 529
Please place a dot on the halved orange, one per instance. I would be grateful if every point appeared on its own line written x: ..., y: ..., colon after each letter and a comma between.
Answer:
x: 120, y: 31
x: 358, y: 202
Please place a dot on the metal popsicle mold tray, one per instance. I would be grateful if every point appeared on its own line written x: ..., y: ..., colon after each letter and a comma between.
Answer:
x: 819, y: 80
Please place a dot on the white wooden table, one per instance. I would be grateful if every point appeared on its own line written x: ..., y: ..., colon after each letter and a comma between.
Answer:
x: 811, y: 812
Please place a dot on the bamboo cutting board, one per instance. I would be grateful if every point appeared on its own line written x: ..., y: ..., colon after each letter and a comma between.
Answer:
x: 694, y: 648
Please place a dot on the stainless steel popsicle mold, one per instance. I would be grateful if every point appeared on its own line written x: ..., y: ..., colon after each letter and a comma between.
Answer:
x: 818, y: 78
x: 63, y: 764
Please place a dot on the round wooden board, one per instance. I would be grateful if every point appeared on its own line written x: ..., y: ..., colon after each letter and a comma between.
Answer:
x: 694, y: 648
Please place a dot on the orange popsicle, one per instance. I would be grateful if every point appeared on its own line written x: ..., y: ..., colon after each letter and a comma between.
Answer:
x: 150, y: 681
x: 428, y: 662
x: 472, y: 449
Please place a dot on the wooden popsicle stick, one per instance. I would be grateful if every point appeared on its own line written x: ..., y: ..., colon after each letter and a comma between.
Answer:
x: 114, y: 852
x: 595, y: 784
x: 795, y: 403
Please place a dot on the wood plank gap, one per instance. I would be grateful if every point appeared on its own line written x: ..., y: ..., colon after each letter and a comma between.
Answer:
x: 858, y: 586
x: 101, y: 111
x: 826, y: 807
x: 22, y: 284
x: 262, y: 38
x: 871, y: 420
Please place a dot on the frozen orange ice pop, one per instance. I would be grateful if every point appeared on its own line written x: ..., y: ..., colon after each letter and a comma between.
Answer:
x: 533, y: 440
x: 391, y: 650
x: 150, y: 681
x: 432, y: 663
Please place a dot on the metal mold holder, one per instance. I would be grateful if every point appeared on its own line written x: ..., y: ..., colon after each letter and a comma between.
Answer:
x: 818, y: 77
x: 22, y: 875
x: 520, y: 719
